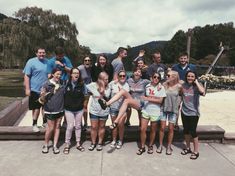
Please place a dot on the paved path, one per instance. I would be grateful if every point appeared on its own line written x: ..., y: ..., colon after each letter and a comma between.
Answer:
x: 21, y: 158
x: 216, y: 109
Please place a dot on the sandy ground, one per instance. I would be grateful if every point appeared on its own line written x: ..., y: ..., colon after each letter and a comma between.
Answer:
x: 216, y: 109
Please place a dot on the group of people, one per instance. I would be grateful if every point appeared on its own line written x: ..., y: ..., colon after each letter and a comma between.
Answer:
x: 158, y: 93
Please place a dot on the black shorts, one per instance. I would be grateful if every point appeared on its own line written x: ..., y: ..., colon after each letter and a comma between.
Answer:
x: 54, y: 116
x: 33, y: 101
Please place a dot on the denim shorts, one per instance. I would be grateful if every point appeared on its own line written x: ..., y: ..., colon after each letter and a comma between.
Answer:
x: 170, y: 116
x: 95, y: 117
x: 113, y: 112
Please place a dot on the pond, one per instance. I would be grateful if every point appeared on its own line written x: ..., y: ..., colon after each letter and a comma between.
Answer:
x: 8, y: 91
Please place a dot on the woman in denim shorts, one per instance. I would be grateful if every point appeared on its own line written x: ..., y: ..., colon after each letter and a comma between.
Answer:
x: 170, y: 110
x: 116, y: 86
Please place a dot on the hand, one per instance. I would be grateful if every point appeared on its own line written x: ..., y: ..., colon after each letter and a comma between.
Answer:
x: 141, y: 53
x: 27, y: 92
x: 59, y: 63
x: 144, y: 98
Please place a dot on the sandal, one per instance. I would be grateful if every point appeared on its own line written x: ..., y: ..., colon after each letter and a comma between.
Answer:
x: 92, y: 147
x: 159, y: 149
x: 66, y: 150
x: 113, y: 126
x: 186, y: 151
x: 56, y: 150
x: 169, y: 151
x: 140, y: 151
x: 150, y: 150
x: 194, y: 156
x: 80, y: 148
x: 102, y: 103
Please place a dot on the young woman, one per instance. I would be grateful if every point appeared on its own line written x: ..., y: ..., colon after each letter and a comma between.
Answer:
x: 191, y: 90
x: 53, y: 109
x: 133, y: 100
x: 102, y: 65
x: 137, y: 89
x: 98, y: 90
x: 155, y: 94
x: 115, y: 87
x: 170, y: 109
x: 73, y: 104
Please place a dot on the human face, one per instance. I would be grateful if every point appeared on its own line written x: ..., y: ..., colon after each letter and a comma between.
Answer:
x: 137, y: 74
x: 59, y: 56
x: 56, y: 76
x: 123, y: 54
x: 41, y: 53
x: 190, y: 78
x: 155, y: 79
x: 157, y: 58
x: 87, y: 62
x: 183, y: 60
x: 75, y: 74
x: 106, y: 80
x: 140, y: 64
x: 102, y: 61
x: 122, y: 77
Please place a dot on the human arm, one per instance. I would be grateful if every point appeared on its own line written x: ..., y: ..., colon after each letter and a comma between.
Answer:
x: 200, y: 87
x: 27, y: 85
x: 152, y: 99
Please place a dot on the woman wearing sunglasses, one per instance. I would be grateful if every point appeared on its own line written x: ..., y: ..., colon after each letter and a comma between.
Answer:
x: 115, y: 87
x: 170, y: 110
x: 154, y: 95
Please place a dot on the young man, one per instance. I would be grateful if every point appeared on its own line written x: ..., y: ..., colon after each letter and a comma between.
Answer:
x: 183, y: 66
x: 60, y: 61
x: 35, y: 75
x: 157, y: 66
x: 117, y: 63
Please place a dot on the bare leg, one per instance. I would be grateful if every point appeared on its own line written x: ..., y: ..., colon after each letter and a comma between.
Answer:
x: 94, y: 131
x: 101, y: 131
x: 143, y: 128
x: 49, y: 130
x: 170, y: 134
x: 121, y: 128
x: 195, y: 145
x: 117, y: 96
x: 122, y: 111
x: 187, y: 138
x: 152, y: 133
x: 161, y: 132
x: 114, y: 132
x: 57, y: 130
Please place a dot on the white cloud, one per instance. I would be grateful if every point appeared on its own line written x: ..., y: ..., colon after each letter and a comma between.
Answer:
x: 105, y: 25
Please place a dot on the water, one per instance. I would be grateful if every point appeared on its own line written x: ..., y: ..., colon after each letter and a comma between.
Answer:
x: 8, y: 91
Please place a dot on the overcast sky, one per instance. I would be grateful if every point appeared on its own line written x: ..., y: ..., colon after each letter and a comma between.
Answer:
x: 104, y: 25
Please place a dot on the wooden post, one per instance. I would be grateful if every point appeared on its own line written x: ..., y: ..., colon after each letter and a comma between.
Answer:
x: 190, y: 31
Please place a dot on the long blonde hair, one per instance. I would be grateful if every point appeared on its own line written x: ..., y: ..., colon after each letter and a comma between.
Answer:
x: 175, y: 81
x: 101, y: 84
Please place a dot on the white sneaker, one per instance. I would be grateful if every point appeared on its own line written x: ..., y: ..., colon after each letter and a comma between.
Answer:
x: 44, y: 125
x: 119, y: 145
x: 113, y: 144
x: 36, y: 129
x: 45, y: 149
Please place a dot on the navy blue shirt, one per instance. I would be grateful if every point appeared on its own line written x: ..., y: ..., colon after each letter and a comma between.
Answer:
x: 182, y: 72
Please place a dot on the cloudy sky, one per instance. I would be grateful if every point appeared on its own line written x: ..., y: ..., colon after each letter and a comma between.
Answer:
x: 104, y: 25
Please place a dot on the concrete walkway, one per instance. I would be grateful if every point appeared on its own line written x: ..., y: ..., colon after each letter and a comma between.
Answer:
x: 22, y: 158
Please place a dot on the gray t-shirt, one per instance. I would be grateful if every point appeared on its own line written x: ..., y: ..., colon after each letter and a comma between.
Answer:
x: 190, y: 106
x: 115, y: 88
x: 171, y: 100
x: 137, y: 88
x: 117, y: 65
x: 85, y: 74
x: 95, y: 107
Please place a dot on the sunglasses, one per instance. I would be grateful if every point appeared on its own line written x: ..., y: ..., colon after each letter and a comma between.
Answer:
x: 154, y: 77
x: 87, y: 60
x: 122, y: 76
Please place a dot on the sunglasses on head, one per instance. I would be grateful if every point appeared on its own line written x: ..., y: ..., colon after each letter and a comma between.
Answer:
x: 122, y: 76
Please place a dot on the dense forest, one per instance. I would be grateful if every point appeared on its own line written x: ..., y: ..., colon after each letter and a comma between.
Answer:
x: 33, y: 26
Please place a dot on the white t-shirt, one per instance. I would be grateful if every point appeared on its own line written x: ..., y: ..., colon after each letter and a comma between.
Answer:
x: 95, y: 107
x: 153, y: 108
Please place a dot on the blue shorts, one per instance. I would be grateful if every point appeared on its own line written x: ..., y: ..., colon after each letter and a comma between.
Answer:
x: 95, y: 117
x: 113, y: 112
x: 170, y: 116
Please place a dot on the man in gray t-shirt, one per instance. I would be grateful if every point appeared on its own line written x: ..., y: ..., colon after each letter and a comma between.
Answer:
x: 117, y: 63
